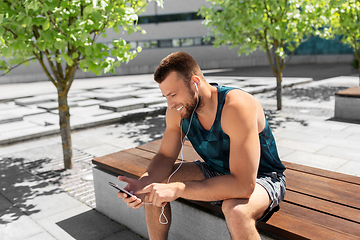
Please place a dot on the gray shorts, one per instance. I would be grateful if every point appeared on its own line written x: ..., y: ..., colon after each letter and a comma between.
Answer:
x: 273, y: 182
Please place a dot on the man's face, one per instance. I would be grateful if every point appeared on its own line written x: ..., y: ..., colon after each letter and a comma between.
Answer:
x: 179, y: 96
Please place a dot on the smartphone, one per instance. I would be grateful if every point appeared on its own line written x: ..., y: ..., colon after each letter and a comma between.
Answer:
x: 121, y: 189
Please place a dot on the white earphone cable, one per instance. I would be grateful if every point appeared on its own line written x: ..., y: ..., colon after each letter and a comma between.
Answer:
x: 181, y: 153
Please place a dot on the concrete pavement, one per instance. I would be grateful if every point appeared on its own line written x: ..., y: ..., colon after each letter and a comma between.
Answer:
x: 35, y: 204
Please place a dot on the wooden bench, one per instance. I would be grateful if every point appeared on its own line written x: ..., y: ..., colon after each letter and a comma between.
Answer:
x: 319, y: 204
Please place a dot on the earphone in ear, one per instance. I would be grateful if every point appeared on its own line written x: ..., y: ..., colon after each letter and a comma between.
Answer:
x: 196, y: 86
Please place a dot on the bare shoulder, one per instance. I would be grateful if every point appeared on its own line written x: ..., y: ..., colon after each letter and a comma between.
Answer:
x: 242, y: 110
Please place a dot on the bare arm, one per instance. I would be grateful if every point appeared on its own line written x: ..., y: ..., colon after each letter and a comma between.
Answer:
x: 162, y: 163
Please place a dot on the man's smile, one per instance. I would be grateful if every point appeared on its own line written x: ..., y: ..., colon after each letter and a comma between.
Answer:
x: 179, y: 108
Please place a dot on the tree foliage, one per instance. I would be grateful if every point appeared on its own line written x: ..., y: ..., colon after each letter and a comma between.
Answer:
x: 62, y: 36
x: 273, y: 26
x: 65, y: 31
x: 344, y: 18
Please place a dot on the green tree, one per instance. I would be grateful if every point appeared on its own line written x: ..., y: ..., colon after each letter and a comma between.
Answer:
x: 61, y: 35
x: 345, y: 22
x: 274, y: 26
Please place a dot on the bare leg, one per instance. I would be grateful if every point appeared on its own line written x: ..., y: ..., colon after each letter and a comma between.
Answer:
x: 241, y: 214
x: 156, y: 230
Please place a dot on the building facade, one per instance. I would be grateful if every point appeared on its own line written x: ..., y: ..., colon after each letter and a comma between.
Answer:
x: 177, y: 27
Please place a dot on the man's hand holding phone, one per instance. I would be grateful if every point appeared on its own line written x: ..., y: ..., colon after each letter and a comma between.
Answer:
x: 130, y: 199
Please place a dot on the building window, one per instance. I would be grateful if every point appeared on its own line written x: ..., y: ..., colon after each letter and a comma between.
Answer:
x: 148, y: 44
x: 169, y: 18
x: 165, y: 43
x: 176, y: 43
x: 185, y: 42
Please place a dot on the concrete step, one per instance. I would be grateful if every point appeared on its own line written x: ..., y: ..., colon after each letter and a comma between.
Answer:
x: 131, y: 104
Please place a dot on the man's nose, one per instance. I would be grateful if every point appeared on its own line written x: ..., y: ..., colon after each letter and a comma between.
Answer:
x: 170, y: 103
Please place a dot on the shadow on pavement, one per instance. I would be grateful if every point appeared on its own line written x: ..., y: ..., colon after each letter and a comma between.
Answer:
x: 275, y: 122
x: 90, y: 225
x: 144, y: 131
x: 18, y: 187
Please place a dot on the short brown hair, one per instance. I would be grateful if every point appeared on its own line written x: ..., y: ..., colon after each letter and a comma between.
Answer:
x: 180, y: 62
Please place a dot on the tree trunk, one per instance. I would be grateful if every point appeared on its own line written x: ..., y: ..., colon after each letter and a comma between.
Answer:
x: 65, y: 129
x: 359, y: 72
x: 279, y: 89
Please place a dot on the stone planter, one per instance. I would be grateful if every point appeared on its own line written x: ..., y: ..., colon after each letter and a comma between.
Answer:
x: 347, y: 104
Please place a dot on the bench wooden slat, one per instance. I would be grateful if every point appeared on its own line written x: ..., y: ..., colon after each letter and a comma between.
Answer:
x: 325, y: 188
x: 293, y: 226
x: 323, y: 206
x: 321, y: 219
x: 140, y: 152
x: 323, y: 173
x: 130, y: 165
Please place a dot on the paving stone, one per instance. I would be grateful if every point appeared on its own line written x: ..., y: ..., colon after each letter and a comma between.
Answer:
x: 116, y: 90
x: 300, y: 145
x: 146, y: 85
x: 76, y: 98
x: 329, y: 125
x: 79, y: 223
x: 101, y: 150
x: 74, y: 92
x: 54, y: 105
x: 10, y: 118
x: 158, y: 106
x: 21, y: 146
x: 15, y: 126
x: 124, y: 234
x: 327, y: 133
x: 26, y: 134
x: 341, y: 152
x: 4, y: 204
x: 351, y: 167
x: 315, y: 160
x: 22, y: 111
x: 225, y: 82
x: 129, y: 104
x: 87, y: 111
x: 89, y: 102
x: 353, y: 128
x: 354, y: 137
x: 143, y: 93
x: 107, y: 96
x: 35, y: 100
x: 284, y: 151
x: 299, y: 136
x: 342, y: 143
x: 43, y: 119
x: 50, y: 203
x: 17, y: 226
x: 41, y: 236
x: 7, y: 106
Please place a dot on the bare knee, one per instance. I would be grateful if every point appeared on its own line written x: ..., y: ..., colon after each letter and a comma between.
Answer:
x: 237, y: 210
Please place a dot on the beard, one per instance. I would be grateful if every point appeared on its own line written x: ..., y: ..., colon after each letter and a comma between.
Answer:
x: 191, y: 106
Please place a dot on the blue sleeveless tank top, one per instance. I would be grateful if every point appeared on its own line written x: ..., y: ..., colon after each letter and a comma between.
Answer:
x: 214, y: 146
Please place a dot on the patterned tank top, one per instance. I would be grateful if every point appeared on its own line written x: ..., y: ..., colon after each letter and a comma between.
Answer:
x: 213, y: 146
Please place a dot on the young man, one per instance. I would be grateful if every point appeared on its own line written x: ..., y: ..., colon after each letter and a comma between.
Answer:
x: 228, y: 129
